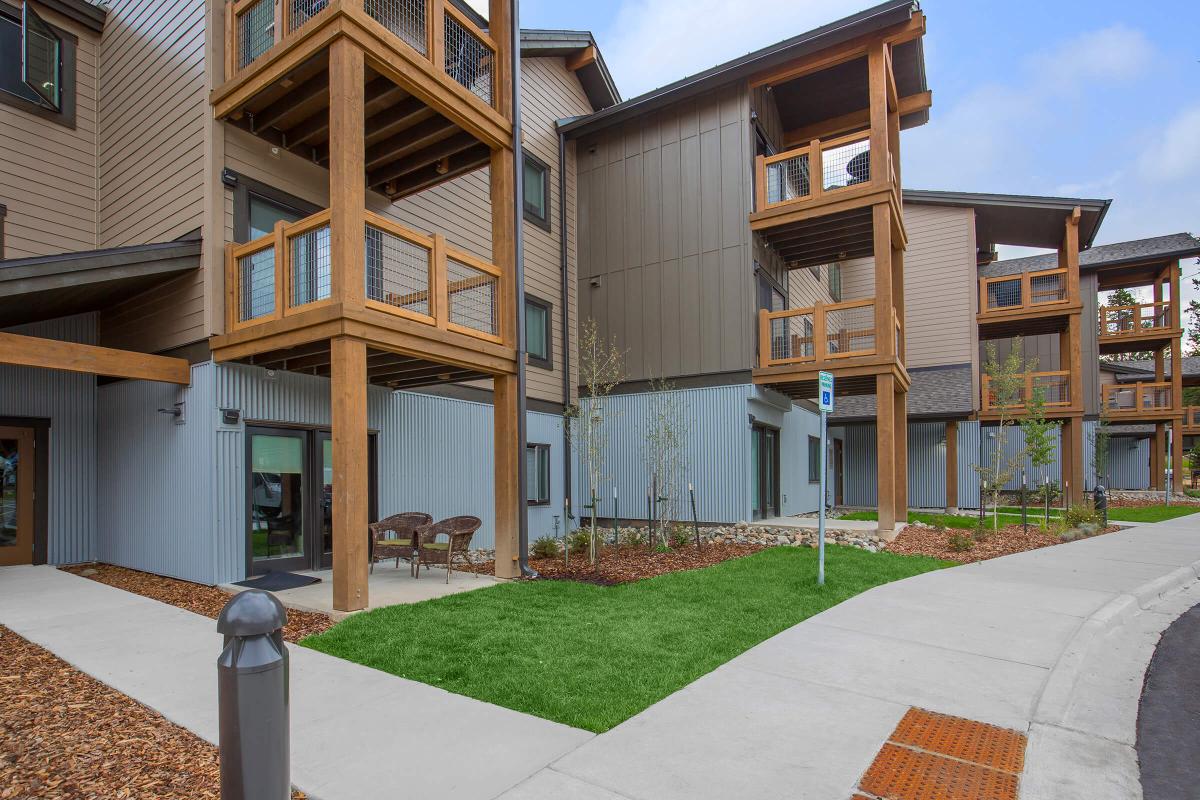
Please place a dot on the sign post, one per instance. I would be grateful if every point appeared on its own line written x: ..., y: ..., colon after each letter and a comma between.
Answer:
x: 826, y: 405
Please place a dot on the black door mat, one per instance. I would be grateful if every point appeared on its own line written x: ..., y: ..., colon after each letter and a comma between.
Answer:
x: 278, y: 581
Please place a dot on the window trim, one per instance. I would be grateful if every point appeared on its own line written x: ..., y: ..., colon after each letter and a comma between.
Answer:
x: 835, y: 269
x: 537, y: 361
x: 3, y: 215
x: 538, y: 447
x: 243, y: 187
x: 814, y: 475
x: 65, y: 116
x: 541, y: 222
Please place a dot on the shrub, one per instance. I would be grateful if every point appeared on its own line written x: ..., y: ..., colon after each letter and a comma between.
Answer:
x: 633, y: 537
x: 1080, y: 515
x: 545, y: 547
x: 679, y: 536
x: 961, y: 542
x: 579, y: 541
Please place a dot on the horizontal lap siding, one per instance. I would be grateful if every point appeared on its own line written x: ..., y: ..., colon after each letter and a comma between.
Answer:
x: 48, y: 171
x: 939, y: 286
x: 151, y: 158
x: 68, y: 400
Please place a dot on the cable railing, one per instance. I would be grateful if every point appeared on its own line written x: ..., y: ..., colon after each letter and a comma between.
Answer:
x: 1118, y: 321
x: 821, y: 167
x: 1054, y: 389
x: 437, y: 30
x: 817, y: 334
x: 1136, y: 398
x: 1023, y: 292
x: 405, y: 273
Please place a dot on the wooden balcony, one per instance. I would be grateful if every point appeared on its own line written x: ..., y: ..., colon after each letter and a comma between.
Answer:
x: 433, y: 312
x: 1145, y: 326
x: 1150, y: 400
x: 1027, y: 303
x: 1054, y: 389
x: 1191, y: 420
x: 435, y: 98
x: 794, y: 345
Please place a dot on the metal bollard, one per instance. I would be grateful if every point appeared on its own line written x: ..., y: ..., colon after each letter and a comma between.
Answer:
x: 1102, y: 503
x: 252, y: 693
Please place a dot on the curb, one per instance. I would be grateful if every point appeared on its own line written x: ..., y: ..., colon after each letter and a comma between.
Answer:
x: 1054, y: 701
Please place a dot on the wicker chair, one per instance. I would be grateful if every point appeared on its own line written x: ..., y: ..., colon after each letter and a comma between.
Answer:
x: 458, y: 532
x: 402, y: 543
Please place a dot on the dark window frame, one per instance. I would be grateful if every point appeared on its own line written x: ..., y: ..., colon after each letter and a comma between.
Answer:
x: 537, y: 361
x: 540, y: 447
x: 64, y: 116
x: 835, y: 276
x: 243, y: 187
x: 542, y: 222
x: 3, y: 215
x: 814, y: 459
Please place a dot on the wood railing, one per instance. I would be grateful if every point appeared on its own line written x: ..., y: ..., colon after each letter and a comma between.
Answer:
x: 1118, y: 321
x: 1054, y: 389
x: 405, y: 273
x: 1026, y: 291
x: 436, y: 29
x: 818, y: 333
x: 1191, y: 420
x: 1136, y: 398
x: 790, y: 176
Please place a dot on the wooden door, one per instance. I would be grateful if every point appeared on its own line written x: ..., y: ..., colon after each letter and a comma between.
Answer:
x: 16, y: 495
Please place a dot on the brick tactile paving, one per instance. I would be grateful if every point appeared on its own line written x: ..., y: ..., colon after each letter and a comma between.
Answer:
x: 963, y: 739
x: 899, y: 773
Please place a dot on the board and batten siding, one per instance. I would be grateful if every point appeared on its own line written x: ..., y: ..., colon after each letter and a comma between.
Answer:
x: 664, y: 244
x: 48, y: 171
x: 151, y: 147
x: 461, y: 209
x: 68, y: 401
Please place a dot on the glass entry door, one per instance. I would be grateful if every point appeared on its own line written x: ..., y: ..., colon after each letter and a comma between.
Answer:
x: 764, y: 471
x: 16, y: 496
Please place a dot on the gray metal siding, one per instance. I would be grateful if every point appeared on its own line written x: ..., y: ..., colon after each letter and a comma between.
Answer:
x: 927, y: 464
x: 1128, y: 463
x: 859, y: 473
x: 68, y: 400
x: 154, y: 477
x: 968, y: 458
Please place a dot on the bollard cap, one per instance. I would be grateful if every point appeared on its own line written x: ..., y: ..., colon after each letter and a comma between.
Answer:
x: 251, y: 613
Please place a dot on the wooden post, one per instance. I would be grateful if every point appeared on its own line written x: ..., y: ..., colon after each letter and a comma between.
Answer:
x: 1177, y: 456
x: 500, y: 29
x: 764, y: 338
x: 1158, y: 446
x: 898, y: 302
x: 952, y: 466
x: 1072, y: 455
x: 820, y: 341
x: 900, y: 457
x: 881, y: 220
x: 347, y: 173
x: 348, y: 389
x: 760, y: 183
x: 507, y: 454
x: 504, y: 255
x: 877, y: 95
x: 885, y: 452
x: 1069, y: 254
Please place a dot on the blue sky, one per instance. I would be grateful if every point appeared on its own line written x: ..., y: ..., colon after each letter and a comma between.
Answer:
x: 1089, y: 98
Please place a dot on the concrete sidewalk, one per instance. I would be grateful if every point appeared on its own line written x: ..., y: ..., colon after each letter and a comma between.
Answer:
x: 1051, y: 642
x: 357, y: 733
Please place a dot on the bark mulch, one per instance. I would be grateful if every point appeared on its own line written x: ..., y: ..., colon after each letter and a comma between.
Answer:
x: 63, y: 734
x: 935, y: 542
x: 632, y: 564
x: 204, y: 600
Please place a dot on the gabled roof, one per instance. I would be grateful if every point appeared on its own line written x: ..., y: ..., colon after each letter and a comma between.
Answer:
x: 597, y: 83
x: 1019, y: 219
x: 1158, y: 248
x: 89, y: 15
x: 1139, y: 370
x: 872, y: 19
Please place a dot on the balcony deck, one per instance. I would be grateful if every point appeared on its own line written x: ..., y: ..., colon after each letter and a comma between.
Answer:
x: 1146, y: 401
x: 429, y: 313
x: 433, y: 105
x: 1191, y: 420
x: 797, y: 344
x: 1028, y: 303
x: 1145, y: 326
x: 1055, y: 390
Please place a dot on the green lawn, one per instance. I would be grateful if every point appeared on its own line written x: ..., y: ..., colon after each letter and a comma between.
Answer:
x: 593, y: 656
x: 1150, y: 513
x: 929, y: 518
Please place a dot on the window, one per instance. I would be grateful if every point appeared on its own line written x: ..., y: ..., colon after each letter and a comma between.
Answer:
x: 835, y: 282
x: 3, y: 214
x: 537, y: 332
x: 537, y: 474
x: 537, y: 192
x: 37, y: 65
x: 257, y: 207
x: 814, y: 459
x: 815, y: 271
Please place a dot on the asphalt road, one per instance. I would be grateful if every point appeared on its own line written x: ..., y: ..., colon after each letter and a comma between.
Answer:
x: 1168, y: 741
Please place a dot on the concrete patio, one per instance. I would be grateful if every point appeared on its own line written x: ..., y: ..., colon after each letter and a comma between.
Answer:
x: 386, y: 586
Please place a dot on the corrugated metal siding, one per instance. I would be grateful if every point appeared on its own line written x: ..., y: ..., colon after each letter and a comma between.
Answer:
x: 155, y: 477
x: 859, y: 473
x: 68, y: 400
x: 1014, y: 443
x: 716, y: 455
x: 1128, y: 463
x: 968, y: 459
x: 927, y: 464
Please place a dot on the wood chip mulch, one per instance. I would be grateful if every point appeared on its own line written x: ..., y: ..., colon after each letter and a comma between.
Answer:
x: 65, y: 735
x: 1009, y: 539
x: 204, y: 600
x: 632, y: 564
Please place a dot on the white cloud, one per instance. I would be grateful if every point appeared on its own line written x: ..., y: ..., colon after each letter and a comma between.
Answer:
x: 655, y: 42
x: 1175, y: 155
x: 1116, y: 53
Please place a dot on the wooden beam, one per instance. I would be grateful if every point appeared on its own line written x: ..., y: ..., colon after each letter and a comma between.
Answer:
x: 460, y: 164
x: 408, y: 141
x: 348, y: 398
x: 885, y: 453
x: 425, y: 157
x: 312, y: 89
x: 885, y: 344
x: 34, y: 351
x: 952, y: 466
x: 585, y: 57
x: 347, y: 187
x: 900, y: 453
x: 507, y: 453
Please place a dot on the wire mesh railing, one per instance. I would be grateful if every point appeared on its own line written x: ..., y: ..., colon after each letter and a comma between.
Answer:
x: 301, y: 11
x: 256, y: 283
x: 850, y: 329
x: 472, y: 294
x: 469, y: 59
x: 845, y: 163
x: 1004, y: 293
x: 1047, y: 287
x: 815, y: 169
x: 1129, y: 320
x: 1024, y: 291
x: 792, y: 338
x: 405, y: 18
x: 255, y: 29
x: 399, y: 268
x: 309, y: 269
x: 1133, y: 398
x: 817, y: 333
x: 787, y: 179
x: 1052, y: 388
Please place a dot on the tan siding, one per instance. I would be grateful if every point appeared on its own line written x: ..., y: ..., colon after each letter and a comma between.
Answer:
x: 151, y: 169
x: 48, y: 171
x: 939, y: 282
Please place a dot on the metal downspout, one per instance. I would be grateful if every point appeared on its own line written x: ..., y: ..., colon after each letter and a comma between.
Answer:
x: 564, y: 302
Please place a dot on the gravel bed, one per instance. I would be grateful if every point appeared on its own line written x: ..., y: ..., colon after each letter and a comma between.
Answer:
x: 923, y: 540
x: 204, y: 600
x: 632, y: 564
x: 63, y: 734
